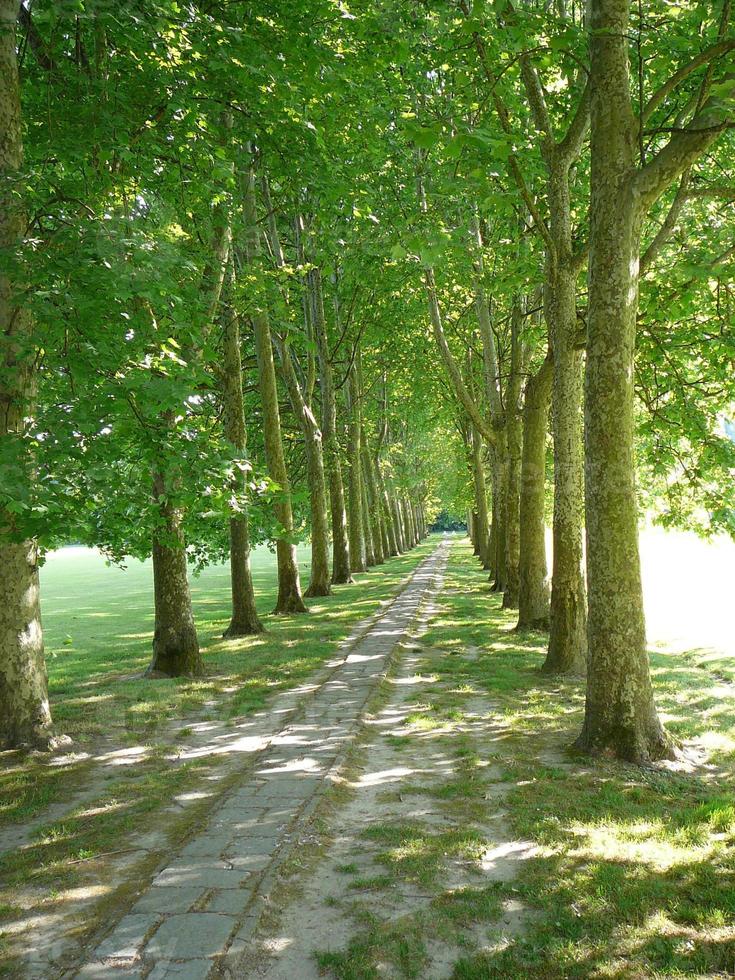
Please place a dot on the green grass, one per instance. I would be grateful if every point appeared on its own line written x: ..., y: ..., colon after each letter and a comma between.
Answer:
x: 635, y: 873
x: 98, y: 624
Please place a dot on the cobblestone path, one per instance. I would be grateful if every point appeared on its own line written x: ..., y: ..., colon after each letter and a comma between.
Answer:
x: 196, y: 918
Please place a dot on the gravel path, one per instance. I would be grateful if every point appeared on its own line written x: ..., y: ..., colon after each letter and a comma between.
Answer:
x: 197, y: 917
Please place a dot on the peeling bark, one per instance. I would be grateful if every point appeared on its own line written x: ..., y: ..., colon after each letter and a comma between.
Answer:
x: 620, y: 714
x: 25, y: 717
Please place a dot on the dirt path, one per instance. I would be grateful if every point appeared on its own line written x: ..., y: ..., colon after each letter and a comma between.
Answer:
x: 197, y: 916
x: 407, y: 817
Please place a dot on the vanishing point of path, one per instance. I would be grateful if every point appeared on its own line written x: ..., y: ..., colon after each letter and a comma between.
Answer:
x: 195, y: 919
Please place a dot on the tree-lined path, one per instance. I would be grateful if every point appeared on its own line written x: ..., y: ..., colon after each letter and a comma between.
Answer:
x: 287, y: 291
x: 201, y: 908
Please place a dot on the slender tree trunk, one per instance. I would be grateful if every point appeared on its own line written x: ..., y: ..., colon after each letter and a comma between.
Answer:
x: 482, y: 524
x: 319, y: 583
x: 393, y: 548
x: 620, y: 714
x: 513, y: 435
x: 289, y: 585
x: 245, y: 620
x: 533, y: 595
x: 25, y: 717
x: 356, y: 520
x: 367, y: 528
x: 374, y: 509
x: 498, y: 549
x: 398, y: 523
x: 341, y: 570
x: 175, y: 644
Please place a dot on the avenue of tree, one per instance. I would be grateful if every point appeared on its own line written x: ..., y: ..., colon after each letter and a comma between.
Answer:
x: 324, y: 270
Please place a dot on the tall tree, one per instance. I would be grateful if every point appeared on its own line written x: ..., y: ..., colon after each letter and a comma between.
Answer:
x: 25, y: 717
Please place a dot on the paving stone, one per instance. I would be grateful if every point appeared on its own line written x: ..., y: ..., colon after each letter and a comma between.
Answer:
x: 167, y: 900
x: 244, y: 860
x: 207, y: 845
x: 232, y: 901
x: 189, y: 970
x: 127, y: 938
x: 289, y: 788
x: 106, y: 971
x: 200, y: 872
x: 194, y: 935
x: 241, y: 843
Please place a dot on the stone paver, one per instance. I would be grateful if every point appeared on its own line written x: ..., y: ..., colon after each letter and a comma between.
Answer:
x: 204, y: 905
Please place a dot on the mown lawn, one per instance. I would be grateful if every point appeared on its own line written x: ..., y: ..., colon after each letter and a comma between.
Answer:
x: 98, y: 623
x: 633, y: 874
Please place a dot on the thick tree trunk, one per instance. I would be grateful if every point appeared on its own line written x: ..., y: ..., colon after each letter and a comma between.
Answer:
x: 568, y: 633
x: 289, y: 586
x: 245, y: 620
x: 25, y: 717
x: 175, y: 644
x: 356, y: 520
x: 341, y: 569
x: 533, y: 594
x: 620, y: 714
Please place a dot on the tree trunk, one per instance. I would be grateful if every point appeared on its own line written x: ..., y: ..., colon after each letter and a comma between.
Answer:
x: 356, y: 520
x: 245, y: 620
x: 533, y: 593
x: 319, y: 583
x: 620, y: 714
x: 374, y: 509
x: 25, y: 717
x: 175, y: 644
x: 341, y: 570
x: 289, y: 586
x: 367, y: 527
x: 513, y: 436
x: 568, y: 636
x: 498, y: 550
x: 482, y: 522
x: 388, y: 518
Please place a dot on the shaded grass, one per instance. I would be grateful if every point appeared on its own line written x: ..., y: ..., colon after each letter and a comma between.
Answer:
x: 635, y: 873
x: 98, y: 626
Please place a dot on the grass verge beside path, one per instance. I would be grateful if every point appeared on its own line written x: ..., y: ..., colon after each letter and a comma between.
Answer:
x: 627, y: 872
x: 98, y: 624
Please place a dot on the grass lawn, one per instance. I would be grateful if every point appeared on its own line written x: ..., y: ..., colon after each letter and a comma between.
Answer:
x: 631, y: 872
x: 98, y: 623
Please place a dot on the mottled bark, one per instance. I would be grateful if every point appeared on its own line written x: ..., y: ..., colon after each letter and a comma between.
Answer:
x: 388, y: 516
x: 356, y: 521
x: 620, y: 714
x: 374, y: 509
x: 319, y: 582
x: 245, y: 620
x: 498, y: 550
x: 367, y: 527
x: 513, y: 440
x: 289, y: 586
x: 341, y: 570
x: 568, y: 626
x: 175, y: 644
x: 481, y: 529
x: 25, y: 718
x: 533, y: 593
